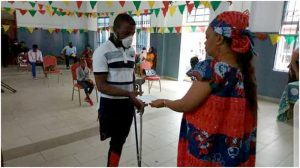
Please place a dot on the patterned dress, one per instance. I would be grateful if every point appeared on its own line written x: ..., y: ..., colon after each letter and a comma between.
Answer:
x: 222, y: 130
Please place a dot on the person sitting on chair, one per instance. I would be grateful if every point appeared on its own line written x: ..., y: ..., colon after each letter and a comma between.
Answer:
x: 69, y: 52
x: 84, y: 80
x: 35, y: 59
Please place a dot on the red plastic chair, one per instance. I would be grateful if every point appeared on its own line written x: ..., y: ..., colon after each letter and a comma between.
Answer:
x: 50, y: 67
x: 76, y: 86
x: 150, y: 77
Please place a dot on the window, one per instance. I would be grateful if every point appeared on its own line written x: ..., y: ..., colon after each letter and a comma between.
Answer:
x: 103, y: 36
x: 141, y: 39
x: 290, y: 27
x: 199, y: 15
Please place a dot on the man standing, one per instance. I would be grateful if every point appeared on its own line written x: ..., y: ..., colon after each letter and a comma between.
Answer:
x: 113, y: 64
x: 35, y: 59
x: 70, y: 53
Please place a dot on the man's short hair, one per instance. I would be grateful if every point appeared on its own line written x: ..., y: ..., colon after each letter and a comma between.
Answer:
x: 123, y: 17
x: 34, y: 46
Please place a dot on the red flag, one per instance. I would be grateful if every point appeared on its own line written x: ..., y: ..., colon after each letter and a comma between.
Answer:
x: 261, y: 36
x: 75, y: 31
x: 80, y: 14
x: 146, y: 11
x: 187, y: 2
x: 42, y: 12
x: 122, y: 3
x: 166, y: 4
x: 23, y: 11
x: 178, y: 29
x: 165, y: 10
x: 61, y: 10
x: 79, y: 4
x: 190, y: 7
x: 57, y: 30
x: 11, y: 2
x: 202, y: 29
x: 40, y: 6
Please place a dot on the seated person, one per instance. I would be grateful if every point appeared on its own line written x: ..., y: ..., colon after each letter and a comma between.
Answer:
x: 87, y: 55
x: 294, y: 67
x: 35, y: 58
x: 84, y: 80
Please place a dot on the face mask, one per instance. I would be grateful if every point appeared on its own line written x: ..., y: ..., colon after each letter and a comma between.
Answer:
x: 127, y: 41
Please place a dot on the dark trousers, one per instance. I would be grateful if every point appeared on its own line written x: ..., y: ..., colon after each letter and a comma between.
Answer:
x: 33, y: 67
x: 68, y: 60
x: 87, y: 86
x: 115, y: 117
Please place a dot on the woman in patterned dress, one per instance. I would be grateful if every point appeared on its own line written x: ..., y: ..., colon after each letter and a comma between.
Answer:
x: 219, y: 121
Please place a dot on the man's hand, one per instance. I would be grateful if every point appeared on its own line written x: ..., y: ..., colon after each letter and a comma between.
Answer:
x: 140, y: 105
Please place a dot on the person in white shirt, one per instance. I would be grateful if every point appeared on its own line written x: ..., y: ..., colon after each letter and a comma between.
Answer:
x: 84, y: 80
x: 70, y: 53
x: 35, y: 59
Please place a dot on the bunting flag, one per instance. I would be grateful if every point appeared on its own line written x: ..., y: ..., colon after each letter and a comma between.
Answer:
x: 75, y: 31
x: 12, y: 11
x: 63, y: 30
x: 79, y: 14
x: 172, y: 10
x: 60, y: 9
x: 181, y: 8
x: 86, y: 14
x: 138, y: 13
x: 261, y: 36
x: 190, y: 7
x: 112, y: 13
x: 50, y: 30
x: 193, y: 28
x: 40, y: 6
x: 81, y: 31
x: 202, y: 29
x: 11, y: 2
x: 164, y: 10
x: 109, y: 3
x: 94, y: 15
x: 196, y: 4
x: 30, y: 29
x: 23, y: 11
x: 122, y: 3
x: 146, y: 11
x: 50, y: 2
x: 137, y: 4
x: 66, y: 2
x: 32, y: 12
x: 274, y: 38
x: 70, y: 30
x: 151, y: 4
x: 54, y: 9
x: 93, y: 4
x: 32, y: 4
x: 5, y: 27
x: 215, y: 4
x: 129, y: 13
x: 78, y: 4
x: 289, y: 39
x: 156, y: 11
x: 178, y: 29
x: 162, y: 30
x: 166, y: 4
x: 154, y: 29
x: 170, y: 29
x: 206, y: 4
x: 48, y: 9
x: 57, y: 30
x: 138, y: 31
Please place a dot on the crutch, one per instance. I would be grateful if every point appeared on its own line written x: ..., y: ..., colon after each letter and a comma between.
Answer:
x: 6, y: 86
x: 138, y: 86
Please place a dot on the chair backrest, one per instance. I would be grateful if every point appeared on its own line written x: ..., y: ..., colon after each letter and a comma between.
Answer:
x: 49, y: 61
x: 74, y: 71
x: 150, y: 72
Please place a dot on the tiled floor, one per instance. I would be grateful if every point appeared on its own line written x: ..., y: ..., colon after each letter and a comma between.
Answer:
x: 37, y: 113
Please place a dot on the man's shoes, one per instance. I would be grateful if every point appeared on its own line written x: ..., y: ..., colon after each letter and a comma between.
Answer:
x: 35, y: 78
x: 87, y: 99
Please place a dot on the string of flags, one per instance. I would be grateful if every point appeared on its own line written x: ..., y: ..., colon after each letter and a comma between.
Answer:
x: 274, y: 38
x: 168, y: 7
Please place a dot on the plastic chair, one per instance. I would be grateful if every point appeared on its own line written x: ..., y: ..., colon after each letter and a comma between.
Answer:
x: 150, y: 77
x: 50, y: 67
x: 76, y: 86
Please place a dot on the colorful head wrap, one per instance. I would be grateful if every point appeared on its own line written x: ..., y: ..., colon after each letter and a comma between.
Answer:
x: 232, y: 25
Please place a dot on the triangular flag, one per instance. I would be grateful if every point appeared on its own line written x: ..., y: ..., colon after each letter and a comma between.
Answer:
x: 172, y: 10
x: 58, y: 13
x: 137, y: 4
x: 50, y: 30
x: 32, y: 4
x: 146, y: 11
x: 162, y: 30
x: 202, y: 29
x: 11, y: 2
x: 54, y: 9
x: 70, y: 30
x: 63, y: 30
x: 196, y: 4
x: 61, y: 10
x: 30, y: 29
x: 66, y: 2
x: 78, y: 4
x: 138, y: 13
x: 112, y: 13
x: 63, y: 13
x: 181, y: 8
x: 32, y: 12
x: 206, y: 4
x: 215, y: 4
x: 94, y: 15
x: 40, y: 6
x: 57, y: 30
x: 122, y: 3
x: 166, y: 4
x: 170, y: 29
x: 7, y: 9
x: 193, y: 28
x: 86, y: 14
x: 178, y: 29
x: 79, y: 14
x: 93, y: 3
x: 155, y: 29
x: 50, y: 2
x: 149, y: 29
x: 109, y: 3
x: 23, y: 29
x: 187, y: 2
x: 81, y: 31
x: 289, y: 39
x: 151, y: 3
x: 23, y: 11
x: 261, y: 36
x: 156, y: 11
x: 75, y: 31
x: 164, y: 10
x: 5, y: 27
x: 12, y: 11
x: 138, y: 31
x: 129, y: 12
x: 71, y: 14
x: 187, y: 29
x: 274, y: 38
x: 190, y: 7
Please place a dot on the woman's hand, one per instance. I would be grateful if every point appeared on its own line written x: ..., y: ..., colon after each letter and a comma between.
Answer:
x: 159, y: 103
